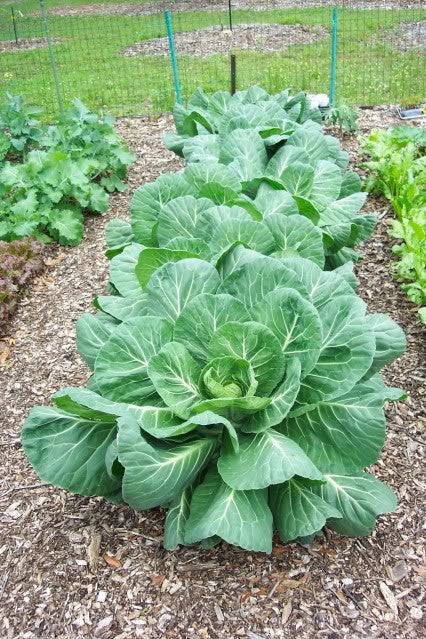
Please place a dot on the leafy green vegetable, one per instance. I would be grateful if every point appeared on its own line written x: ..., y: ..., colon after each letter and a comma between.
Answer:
x: 55, y: 172
x: 398, y: 170
x: 259, y: 373
x: 269, y: 143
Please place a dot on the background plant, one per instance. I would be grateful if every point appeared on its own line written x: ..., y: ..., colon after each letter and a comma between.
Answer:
x: 20, y: 261
x: 398, y: 171
x: 55, y: 172
x: 344, y: 116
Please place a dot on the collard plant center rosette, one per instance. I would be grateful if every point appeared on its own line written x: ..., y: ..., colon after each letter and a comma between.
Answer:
x: 235, y: 382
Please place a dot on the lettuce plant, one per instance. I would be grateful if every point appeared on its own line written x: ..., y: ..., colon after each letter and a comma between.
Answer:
x: 243, y: 397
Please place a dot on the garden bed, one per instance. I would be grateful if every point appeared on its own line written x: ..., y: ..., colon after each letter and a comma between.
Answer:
x: 410, y: 36
x: 25, y: 44
x: 74, y: 566
x: 216, y: 40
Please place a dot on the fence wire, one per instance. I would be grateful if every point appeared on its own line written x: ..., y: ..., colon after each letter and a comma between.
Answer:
x: 114, y: 55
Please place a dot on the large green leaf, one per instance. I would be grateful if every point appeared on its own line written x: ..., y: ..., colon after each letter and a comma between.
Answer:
x: 239, y: 517
x: 244, y: 151
x: 255, y: 343
x: 257, y: 276
x: 175, y: 375
x: 270, y: 202
x: 122, y: 308
x: 252, y: 234
x: 312, y: 142
x: 174, y: 285
x: 160, y: 421
x: 326, y: 184
x: 298, y: 178
x: 390, y: 341
x: 118, y: 234
x: 322, y: 287
x: 92, y: 331
x: 342, y: 211
x: 282, y: 399
x: 202, y: 148
x: 156, y: 474
x: 202, y: 316
x: 69, y: 451
x: 264, y: 459
x: 347, y: 351
x: 297, y: 511
x: 85, y: 403
x: 199, y: 175
x: 177, y: 515
x: 150, y: 259
x: 285, y: 157
x: 359, y: 498
x: 148, y: 201
x: 121, y: 368
x: 294, y: 322
x: 122, y: 271
x: 351, y: 183
x: 345, y: 432
x: 181, y: 218
x: 295, y: 235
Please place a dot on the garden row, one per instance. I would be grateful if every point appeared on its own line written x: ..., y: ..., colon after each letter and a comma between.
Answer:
x: 398, y: 171
x: 236, y: 373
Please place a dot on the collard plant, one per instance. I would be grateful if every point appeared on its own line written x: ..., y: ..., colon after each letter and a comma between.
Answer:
x: 205, y: 209
x: 242, y: 395
x: 276, y: 143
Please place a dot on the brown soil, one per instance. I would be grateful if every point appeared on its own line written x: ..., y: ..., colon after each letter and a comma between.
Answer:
x: 55, y: 583
x: 215, y: 40
x: 24, y: 44
x: 146, y: 8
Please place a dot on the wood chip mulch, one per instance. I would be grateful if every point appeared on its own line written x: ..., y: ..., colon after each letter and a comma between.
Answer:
x: 75, y: 567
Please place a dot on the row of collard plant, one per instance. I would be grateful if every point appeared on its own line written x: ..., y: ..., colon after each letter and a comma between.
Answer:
x: 398, y: 171
x: 235, y: 371
x: 51, y: 174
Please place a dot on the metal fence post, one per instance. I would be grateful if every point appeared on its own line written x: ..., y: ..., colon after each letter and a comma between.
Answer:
x: 172, y: 50
x: 15, y: 30
x: 51, y: 56
x: 333, y: 57
x: 230, y: 13
x: 233, y: 73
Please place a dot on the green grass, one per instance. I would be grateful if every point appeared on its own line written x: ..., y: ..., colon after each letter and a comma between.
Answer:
x: 91, y: 66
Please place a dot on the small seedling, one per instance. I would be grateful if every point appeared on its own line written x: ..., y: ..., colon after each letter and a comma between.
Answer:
x: 344, y: 115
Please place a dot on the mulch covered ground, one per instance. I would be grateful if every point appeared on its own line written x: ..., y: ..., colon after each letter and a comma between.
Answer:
x: 214, y: 40
x: 76, y: 567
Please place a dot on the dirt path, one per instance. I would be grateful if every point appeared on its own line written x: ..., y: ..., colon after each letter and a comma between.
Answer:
x: 337, y: 589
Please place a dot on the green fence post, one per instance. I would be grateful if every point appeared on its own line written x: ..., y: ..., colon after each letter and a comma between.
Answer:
x: 51, y: 56
x: 333, y: 57
x: 15, y: 30
x: 172, y: 50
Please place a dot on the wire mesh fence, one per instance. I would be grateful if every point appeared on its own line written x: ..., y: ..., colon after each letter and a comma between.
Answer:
x: 115, y: 55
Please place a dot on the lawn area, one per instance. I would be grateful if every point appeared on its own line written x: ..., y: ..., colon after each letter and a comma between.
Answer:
x: 90, y: 63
